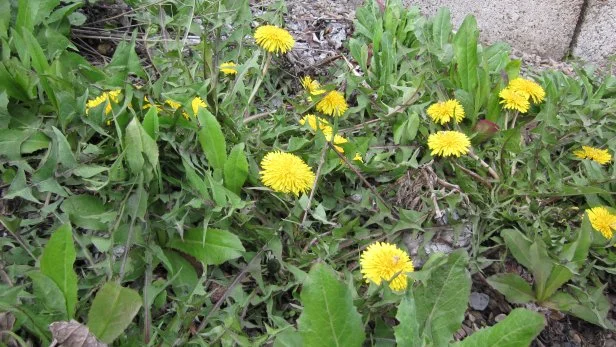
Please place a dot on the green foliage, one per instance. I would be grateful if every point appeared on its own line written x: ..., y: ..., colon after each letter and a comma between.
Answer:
x: 112, y: 310
x: 162, y: 207
x: 329, y: 317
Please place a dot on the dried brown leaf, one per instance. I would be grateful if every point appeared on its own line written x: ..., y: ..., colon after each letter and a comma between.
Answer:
x: 73, y: 334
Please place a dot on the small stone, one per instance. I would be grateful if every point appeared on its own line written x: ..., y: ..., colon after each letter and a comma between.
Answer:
x: 577, y: 339
x: 500, y: 317
x: 479, y: 301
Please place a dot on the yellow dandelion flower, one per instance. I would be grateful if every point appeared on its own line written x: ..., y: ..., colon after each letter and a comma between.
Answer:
x: 602, y: 220
x: 313, y: 121
x: 601, y: 156
x: 173, y: 104
x: 107, y: 98
x: 286, y: 173
x: 338, y: 139
x: 358, y: 157
x: 382, y: 261
x: 333, y: 104
x: 147, y: 104
x: 534, y: 90
x: 514, y: 99
x: 447, y: 143
x: 313, y: 87
x: 274, y: 39
x: 196, y: 103
x: 228, y: 68
x: 445, y: 111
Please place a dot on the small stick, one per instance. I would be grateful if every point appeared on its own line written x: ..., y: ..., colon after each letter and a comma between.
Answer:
x: 474, y: 175
x: 484, y: 164
x: 364, y: 180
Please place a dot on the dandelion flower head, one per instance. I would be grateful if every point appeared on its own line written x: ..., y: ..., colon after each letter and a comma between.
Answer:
x: 602, y: 220
x: 448, y: 143
x: 173, y: 104
x: 445, y: 111
x: 382, y: 261
x: 196, y: 103
x: 313, y: 87
x: 358, y: 157
x: 228, y: 68
x: 107, y: 98
x: 274, y: 39
x: 315, y: 122
x: 601, y: 156
x: 333, y: 104
x: 286, y: 173
x: 514, y: 99
x: 534, y: 90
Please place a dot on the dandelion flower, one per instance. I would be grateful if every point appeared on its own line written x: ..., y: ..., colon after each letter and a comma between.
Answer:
x: 196, y: 103
x: 173, y: 104
x: 338, y: 139
x: 107, y: 98
x: 313, y: 87
x: 443, y: 112
x: 274, y: 39
x: 447, y: 143
x: 358, y: 157
x: 514, y: 99
x: 228, y: 68
x: 333, y: 104
x: 286, y: 173
x: 602, y: 220
x: 601, y: 156
x: 382, y: 261
x: 534, y: 90
x: 313, y: 121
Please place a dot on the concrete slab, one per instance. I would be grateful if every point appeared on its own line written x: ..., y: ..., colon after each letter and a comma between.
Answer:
x: 596, y: 40
x: 543, y: 27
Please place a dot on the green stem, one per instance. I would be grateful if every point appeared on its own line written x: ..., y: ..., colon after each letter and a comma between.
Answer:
x: 265, y: 66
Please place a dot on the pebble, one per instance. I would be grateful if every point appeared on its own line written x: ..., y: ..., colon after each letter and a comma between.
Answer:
x: 500, y: 317
x: 479, y: 301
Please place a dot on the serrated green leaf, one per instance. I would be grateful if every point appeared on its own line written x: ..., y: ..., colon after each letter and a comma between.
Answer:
x: 441, y: 303
x: 236, y: 169
x: 441, y: 27
x: 518, y: 245
x: 57, y: 263
x: 48, y: 295
x: 515, y: 289
x: 150, y: 123
x: 465, y: 45
x: 212, y: 140
x: 36, y: 142
x: 65, y: 153
x: 19, y: 188
x: 134, y: 146
x: 112, y: 311
x: 211, y: 246
x: 88, y: 212
x: 329, y: 317
x: 407, y: 331
x: 519, y: 329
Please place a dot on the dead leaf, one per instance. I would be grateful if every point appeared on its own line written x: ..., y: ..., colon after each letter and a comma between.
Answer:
x: 73, y: 334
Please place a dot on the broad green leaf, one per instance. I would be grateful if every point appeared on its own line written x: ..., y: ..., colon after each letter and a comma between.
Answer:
x: 40, y: 64
x: 5, y: 18
x: 36, y: 142
x: 236, y: 169
x: 441, y: 27
x: 465, y: 44
x: 150, y: 123
x: 590, y: 305
x: 577, y: 251
x: 134, y: 146
x: 441, y: 303
x: 195, y: 180
x: 65, y: 153
x: 519, y: 329
x: 513, y: 287
x: 112, y: 311
x: 541, y: 267
x: 211, y: 246
x: 49, y: 297
x: 19, y: 188
x: 125, y: 61
x: 57, y: 263
x: 329, y: 317
x: 212, y: 140
x: 183, y: 272
x: 289, y: 338
x: 518, y: 245
x: 88, y: 212
x: 559, y: 275
x: 407, y: 331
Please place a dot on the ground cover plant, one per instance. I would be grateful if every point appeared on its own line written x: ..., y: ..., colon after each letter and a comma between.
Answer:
x: 187, y: 187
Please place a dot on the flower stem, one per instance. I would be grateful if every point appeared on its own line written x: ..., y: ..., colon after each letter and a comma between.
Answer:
x: 484, y: 164
x: 265, y: 65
